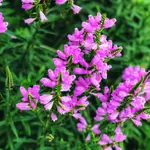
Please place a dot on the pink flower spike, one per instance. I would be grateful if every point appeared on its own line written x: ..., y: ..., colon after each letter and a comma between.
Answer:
x: 76, y: 9
x: 53, y: 117
x: 42, y: 16
x: 60, y: 2
x: 29, y: 20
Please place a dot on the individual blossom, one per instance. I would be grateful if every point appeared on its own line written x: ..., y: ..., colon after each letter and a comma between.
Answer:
x: 60, y: 2
x: 53, y: 117
x: 27, y: 4
x: 42, y: 16
x: 30, y: 98
x: 109, y: 22
x: 76, y: 9
x: 29, y: 20
x: 82, y: 122
x: 45, y: 99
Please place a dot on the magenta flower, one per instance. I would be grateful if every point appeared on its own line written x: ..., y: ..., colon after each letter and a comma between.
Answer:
x: 53, y: 117
x: 29, y: 20
x: 82, y: 124
x: 23, y: 106
x: 27, y: 6
x: 105, y: 140
x: 95, y: 129
x: 3, y: 25
x: 81, y: 86
x: 30, y: 97
x: 53, y: 79
x: 27, y: 1
x: 60, y: 2
x: 119, y: 137
x: 1, y: 2
x: 46, y: 100
x: 133, y: 73
x: 76, y: 9
x: 109, y: 22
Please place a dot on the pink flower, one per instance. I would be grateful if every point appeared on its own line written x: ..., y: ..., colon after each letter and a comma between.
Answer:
x: 66, y: 78
x: 3, y: 25
x: 29, y: 20
x: 105, y: 140
x: 42, y: 16
x: 109, y: 22
x: 30, y: 97
x: 119, y: 137
x: 1, y: 2
x: 82, y: 124
x: 23, y: 106
x: 60, y: 2
x: 88, y: 137
x: 95, y: 129
x: 27, y: 1
x: 46, y: 100
x: 53, y: 117
x: 27, y: 6
x: 76, y: 9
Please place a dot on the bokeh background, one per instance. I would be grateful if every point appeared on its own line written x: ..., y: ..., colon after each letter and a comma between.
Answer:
x: 28, y: 53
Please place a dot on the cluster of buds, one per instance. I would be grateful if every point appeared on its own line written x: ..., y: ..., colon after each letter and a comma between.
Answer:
x: 3, y: 25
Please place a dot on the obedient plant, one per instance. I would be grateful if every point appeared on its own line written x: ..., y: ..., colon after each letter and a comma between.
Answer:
x: 79, y: 71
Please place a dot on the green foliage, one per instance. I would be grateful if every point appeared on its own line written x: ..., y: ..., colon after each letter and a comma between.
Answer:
x: 26, y: 52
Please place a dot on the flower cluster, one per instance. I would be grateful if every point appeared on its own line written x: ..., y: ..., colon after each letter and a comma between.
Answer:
x: 3, y: 25
x: 76, y: 9
x: 79, y: 69
x: 29, y: 4
x: 127, y: 102
x: 39, y: 8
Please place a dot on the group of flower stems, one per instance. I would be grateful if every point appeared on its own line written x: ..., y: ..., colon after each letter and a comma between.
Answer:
x: 76, y: 81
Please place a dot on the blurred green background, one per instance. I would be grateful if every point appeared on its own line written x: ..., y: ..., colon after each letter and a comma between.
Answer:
x: 28, y: 52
